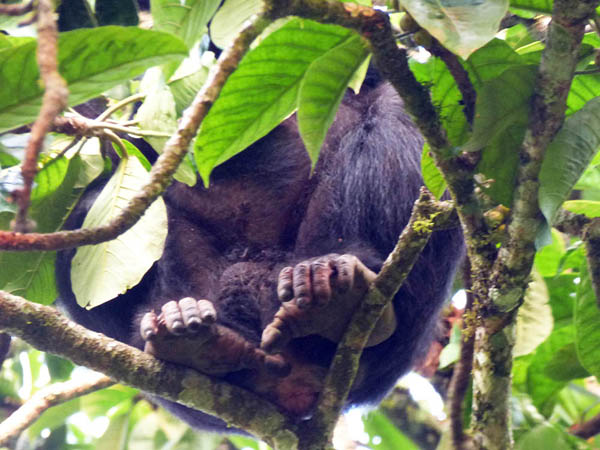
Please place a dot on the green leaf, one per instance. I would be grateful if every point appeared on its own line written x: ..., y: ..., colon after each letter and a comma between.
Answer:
x: 184, y: 88
x: 103, y: 271
x: 534, y: 318
x: 483, y: 65
x: 186, y: 19
x: 230, y: 18
x: 587, y: 324
x: 567, y: 157
x: 54, y: 417
x: 545, y: 436
x: 451, y: 352
x: 98, y: 403
x: 263, y: 90
x: 322, y: 90
x: 158, y: 113
x: 502, y: 103
x: 547, y: 260
x: 583, y: 89
x: 117, y: 12
x: 563, y: 290
x: 31, y: 274
x: 60, y: 369
x: 432, y: 177
x: 499, y: 164
x: 540, y: 387
x: 588, y: 208
x: 538, y: 6
x: 115, y: 436
x: 565, y: 365
x: 91, y: 61
x: 377, y: 424
x: 462, y: 26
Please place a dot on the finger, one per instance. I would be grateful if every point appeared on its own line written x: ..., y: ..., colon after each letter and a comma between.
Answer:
x: 277, y: 365
x: 275, y: 336
x: 207, y: 312
x: 302, y: 285
x: 321, y: 280
x: 148, y: 326
x: 173, y: 318
x: 345, y: 266
x: 285, y: 290
x: 190, y: 313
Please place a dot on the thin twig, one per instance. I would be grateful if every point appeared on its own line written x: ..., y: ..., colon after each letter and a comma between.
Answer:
x: 587, y: 429
x: 53, y: 102
x: 461, y: 77
x: 45, y: 398
x: 114, y: 108
x: 462, y: 369
x: 17, y: 9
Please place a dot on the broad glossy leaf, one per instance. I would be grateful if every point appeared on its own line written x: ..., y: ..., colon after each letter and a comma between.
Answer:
x: 263, y: 90
x: 377, y: 424
x: 544, y: 436
x: 483, y: 65
x: 158, y: 113
x: 538, y: 6
x: 432, y: 177
x: 548, y: 259
x: 565, y: 365
x: 186, y: 19
x: 588, y: 208
x: 567, y: 157
x: 583, y: 89
x: 587, y: 324
x: 322, y: 90
x: 91, y: 61
x: 534, y: 318
x: 540, y: 387
x: 31, y: 274
x: 462, y: 26
x: 103, y: 271
x: 229, y: 19
x: 503, y: 102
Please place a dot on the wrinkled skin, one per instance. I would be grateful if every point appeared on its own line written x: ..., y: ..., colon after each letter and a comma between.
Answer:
x: 262, y: 271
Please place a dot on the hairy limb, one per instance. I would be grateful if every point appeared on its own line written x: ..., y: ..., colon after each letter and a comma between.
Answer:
x: 186, y: 333
x: 319, y: 296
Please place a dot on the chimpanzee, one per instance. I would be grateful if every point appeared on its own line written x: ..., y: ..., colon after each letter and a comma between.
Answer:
x: 262, y: 271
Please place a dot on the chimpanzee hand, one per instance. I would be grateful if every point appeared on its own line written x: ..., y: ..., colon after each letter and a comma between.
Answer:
x: 186, y: 333
x: 319, y: 297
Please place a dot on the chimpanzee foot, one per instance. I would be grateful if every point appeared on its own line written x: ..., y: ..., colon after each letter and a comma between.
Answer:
x: 186, y: 333
x: 319, y: 297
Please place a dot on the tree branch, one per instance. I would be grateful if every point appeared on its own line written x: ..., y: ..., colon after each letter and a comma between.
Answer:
x: 53, y: 102
x: 17, y: 9
x: 47, y: 330
x: 427, y: 214
x: 510, y: 277
x: 462, y: 370
x: 587, y: 429
x: 45, y: 398
x: 162, y: 172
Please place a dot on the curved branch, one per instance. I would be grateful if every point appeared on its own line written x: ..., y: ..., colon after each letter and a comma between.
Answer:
x: 426, y: 216
x: 45, y: 398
